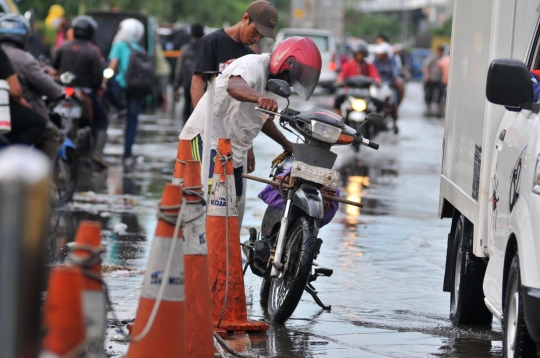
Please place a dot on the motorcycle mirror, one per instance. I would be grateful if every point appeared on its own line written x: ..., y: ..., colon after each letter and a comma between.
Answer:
x: 279, y: 87
x: 67, y: 78
x: 375, y: 118
x: 108, y: 73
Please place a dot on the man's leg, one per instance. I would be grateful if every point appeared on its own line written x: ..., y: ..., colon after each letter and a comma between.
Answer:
x: 188, y: 109
x: 242, y: 199
x: 134, y: 105
x: 49, y: 142
x: 101, y: 122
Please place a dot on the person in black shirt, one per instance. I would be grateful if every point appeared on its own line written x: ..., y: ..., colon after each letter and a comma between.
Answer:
x: 26, y: 125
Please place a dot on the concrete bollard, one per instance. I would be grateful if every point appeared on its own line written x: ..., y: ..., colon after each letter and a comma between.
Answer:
x: 24, y: 199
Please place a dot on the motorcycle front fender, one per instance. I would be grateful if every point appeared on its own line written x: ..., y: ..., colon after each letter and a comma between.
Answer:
x: 67, y: 144
x: 308, y: 199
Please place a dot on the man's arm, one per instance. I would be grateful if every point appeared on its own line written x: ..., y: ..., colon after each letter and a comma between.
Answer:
x: 197, y: 88
x: 40, y: 81
x: 15, y: 91
x: 241, y: 91
x: 270, y: 129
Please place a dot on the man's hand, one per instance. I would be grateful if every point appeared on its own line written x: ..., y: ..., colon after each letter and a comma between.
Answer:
x: 288, y: 147
x: 267, y: 103
x: 250, y: 160
x: 177, y: 96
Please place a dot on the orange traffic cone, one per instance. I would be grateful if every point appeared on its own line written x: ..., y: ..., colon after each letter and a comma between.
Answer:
x: 228, y: 310
x: 162, y: 334
x: 198, y: 302
x: 86, y: 253
x: 63, y: 314
x: 182, y: 156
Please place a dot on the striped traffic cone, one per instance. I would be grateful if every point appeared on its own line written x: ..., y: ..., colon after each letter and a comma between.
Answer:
x: 198, y: 302
x: 183, y: 154
x: 63, y: 314
x: 162, y: 334
x: 223, y: 235
x: 85, y: 252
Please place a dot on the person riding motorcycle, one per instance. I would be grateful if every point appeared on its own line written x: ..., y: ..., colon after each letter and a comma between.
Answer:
x: 81, y: 58
x: 389, y: 73
x: 242, y: 87
x: 358, y: 65
x: 14, y: 33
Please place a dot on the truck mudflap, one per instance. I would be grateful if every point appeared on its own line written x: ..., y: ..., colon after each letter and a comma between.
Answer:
x: 531, y: 307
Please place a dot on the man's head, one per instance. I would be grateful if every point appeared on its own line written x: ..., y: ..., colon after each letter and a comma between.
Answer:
x: 360, y: 52
x: 297, y: 60
x: 381, y: 38
x: 196, y: 30
x: 84, y: 27
x: 440, y: 51
x: 383, y: 51
x: 258, y: 21
x: 15, y: 29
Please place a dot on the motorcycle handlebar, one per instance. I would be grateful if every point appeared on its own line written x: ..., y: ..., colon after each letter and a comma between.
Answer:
x: 370, y: 144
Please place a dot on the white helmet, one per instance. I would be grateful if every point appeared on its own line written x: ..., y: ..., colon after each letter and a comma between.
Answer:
x: 383, y: 47
x: 129, y: 30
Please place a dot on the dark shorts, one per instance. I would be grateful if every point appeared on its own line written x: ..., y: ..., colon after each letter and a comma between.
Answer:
x: 197, y: 150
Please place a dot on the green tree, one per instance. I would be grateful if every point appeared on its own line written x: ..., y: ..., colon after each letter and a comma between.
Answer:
x: 371, y: 25
x: 444, y: 30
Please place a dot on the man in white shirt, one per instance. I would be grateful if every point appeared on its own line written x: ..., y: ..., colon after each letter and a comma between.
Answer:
x: 242, y: 87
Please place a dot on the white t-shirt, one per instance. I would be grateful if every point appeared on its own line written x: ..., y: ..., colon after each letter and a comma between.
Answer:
x: 238, y: 121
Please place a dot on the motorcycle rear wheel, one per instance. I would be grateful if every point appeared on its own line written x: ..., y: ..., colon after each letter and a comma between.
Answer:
x: 287, y: 289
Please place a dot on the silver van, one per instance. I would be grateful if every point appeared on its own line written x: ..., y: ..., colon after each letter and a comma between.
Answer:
x: 326, y: 43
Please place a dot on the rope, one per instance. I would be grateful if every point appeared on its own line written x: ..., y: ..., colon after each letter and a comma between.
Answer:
x: 232, y: 351
x: 218, y: 348
x: 168, y: 218
x: 224, y: 160
x: 180, y: 161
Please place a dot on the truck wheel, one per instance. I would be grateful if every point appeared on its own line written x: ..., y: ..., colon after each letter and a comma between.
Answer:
x: 516, y: 340
x: 467, y: 297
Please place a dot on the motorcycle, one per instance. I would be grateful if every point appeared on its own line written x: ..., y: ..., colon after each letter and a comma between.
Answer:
x: 363, y: 96
x: 284, y: 252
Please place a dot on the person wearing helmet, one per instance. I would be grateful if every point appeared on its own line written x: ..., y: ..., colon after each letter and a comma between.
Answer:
x: 358, y: 65
x: 242, y: 87
x: 129, y: 33
x: 81, y: 57
x: 389, y: 73
x: 14, y: 33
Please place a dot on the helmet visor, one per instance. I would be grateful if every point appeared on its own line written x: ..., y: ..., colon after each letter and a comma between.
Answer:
x: 304, y: 78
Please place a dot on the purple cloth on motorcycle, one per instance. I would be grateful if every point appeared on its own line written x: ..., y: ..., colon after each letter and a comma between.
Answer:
x: 272, y: 198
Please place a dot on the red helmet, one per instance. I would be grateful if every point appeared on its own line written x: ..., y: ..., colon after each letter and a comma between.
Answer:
x: 301, y: 57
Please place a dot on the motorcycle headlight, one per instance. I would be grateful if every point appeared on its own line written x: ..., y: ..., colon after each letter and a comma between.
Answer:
x: 324, y: 132
x: 358, y: 104
x: 536, y: 180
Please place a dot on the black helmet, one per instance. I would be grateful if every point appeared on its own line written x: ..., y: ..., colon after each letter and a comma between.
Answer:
x: 15, y: 29
x: 84, y: 27
x: 360, y: 48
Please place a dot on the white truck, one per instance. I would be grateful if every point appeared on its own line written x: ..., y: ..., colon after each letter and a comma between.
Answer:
x: 490, y: 180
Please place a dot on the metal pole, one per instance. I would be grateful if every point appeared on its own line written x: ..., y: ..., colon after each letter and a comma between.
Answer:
x: 24, y: 201
x: 208, y: 127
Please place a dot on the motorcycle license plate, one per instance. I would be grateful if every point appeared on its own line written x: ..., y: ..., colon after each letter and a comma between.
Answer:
x: 324, y: 176
x: 68, y: 110
x: 357, y: 116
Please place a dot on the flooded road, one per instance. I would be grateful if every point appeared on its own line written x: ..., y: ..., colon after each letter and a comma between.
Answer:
x: 388, y: 257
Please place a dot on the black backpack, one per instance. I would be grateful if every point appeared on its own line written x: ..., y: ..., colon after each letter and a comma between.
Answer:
x: 140, y: 73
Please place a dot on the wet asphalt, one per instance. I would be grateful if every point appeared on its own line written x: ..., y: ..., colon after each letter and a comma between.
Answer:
x: 388, y: 257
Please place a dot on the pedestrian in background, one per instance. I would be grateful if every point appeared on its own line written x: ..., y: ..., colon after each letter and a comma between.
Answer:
x: 184, y: 68
x: 163, y: 71
x: 129, y: 34
x: 221, y: 47
x: 432, y: 80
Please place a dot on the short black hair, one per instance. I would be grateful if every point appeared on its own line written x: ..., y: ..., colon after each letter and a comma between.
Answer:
x: 196, y: 30
x: 384, y: 37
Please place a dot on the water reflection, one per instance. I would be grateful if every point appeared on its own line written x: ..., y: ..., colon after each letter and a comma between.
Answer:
x: 467, y: 347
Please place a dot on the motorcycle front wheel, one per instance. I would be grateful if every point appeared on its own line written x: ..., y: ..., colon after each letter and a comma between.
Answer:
x: 64, y: 178
x: 286, y: 289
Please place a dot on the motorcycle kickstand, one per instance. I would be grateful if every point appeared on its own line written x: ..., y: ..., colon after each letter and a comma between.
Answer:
x: 311, y: 290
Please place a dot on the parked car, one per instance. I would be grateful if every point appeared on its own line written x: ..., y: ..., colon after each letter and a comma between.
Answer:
x: 326, y: 43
